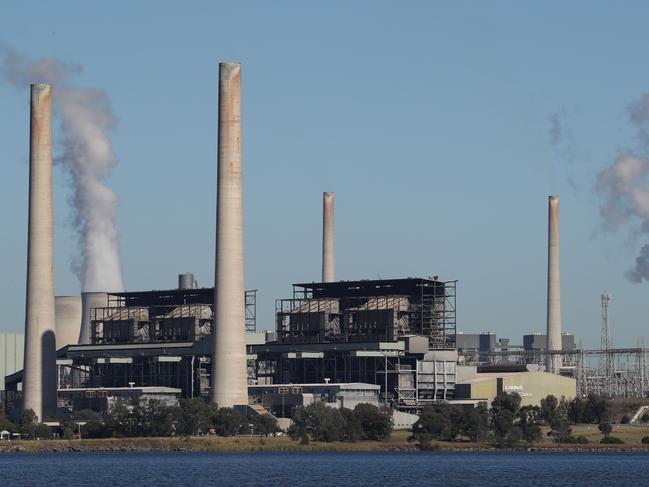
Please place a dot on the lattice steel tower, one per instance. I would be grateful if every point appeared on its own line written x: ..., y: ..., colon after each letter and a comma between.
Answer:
x: 606, y: 360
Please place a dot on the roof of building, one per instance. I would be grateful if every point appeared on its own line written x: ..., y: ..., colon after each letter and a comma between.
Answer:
x: 143, y: 389
x: 167, y: 297
x: 374, y: 287
x: 484, y: 377
x: 323, y: 385
x: 482, y: 369
x: 128, y: 346
x: 327, y: 346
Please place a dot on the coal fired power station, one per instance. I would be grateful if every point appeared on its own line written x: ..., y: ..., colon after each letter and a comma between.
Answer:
x: 388, y: 341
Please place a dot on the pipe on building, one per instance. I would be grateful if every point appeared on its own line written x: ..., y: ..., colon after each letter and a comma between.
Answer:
x: 89, y: 301
x: 229, y: 371
x: 186, y: 281
x: 554, y: 288
x: 328, y: 262
x: 68, y: 318
x: 39, y: 373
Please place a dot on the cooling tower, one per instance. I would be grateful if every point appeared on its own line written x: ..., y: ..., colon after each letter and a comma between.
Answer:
x: 554, y: 287
x: 88, y: 302
x: 39, y: 374
x: 328, y: 263
x: 229, y: 371
x: 68, y: 319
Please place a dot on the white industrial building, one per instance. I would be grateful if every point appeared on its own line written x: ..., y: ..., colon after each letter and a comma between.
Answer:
x: 12, y: 348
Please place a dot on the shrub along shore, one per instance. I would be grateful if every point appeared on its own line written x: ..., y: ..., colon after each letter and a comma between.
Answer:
x: 398, y: 443
x: 195, y: 425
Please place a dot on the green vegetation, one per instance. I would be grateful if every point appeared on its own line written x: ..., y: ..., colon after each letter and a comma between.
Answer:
x: 376, y: 424
x: 28, y: 426
x: 446, y: 422
x: 508, y: 424
x: 625, y: 406
x: 612, y: 440
x: 632, y: 436
x: 153, y: 418
x: 212, y: 443
x: 512, y: 424
x: 5, y: 424
x: 318, y: 422
x: 605, y: 428
x: 353, y: 429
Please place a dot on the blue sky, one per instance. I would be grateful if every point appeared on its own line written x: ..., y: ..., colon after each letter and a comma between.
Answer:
x: 429, y: 120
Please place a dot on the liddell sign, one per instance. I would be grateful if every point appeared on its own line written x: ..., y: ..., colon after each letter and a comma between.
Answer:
x: 518, y: 389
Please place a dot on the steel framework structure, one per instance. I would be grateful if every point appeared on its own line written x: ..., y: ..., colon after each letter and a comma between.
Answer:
x: 161, y: 316
x: 369, y: 310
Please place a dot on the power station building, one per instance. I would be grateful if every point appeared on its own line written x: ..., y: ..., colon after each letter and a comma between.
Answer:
x: 538, y: 342
x: 396, y: 334
x: 144, y: 339
x: 392, y: 339
x: 395, y: 337
x: 484, y: 384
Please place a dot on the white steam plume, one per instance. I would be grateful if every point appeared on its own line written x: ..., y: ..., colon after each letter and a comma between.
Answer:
x: 562, y: 140
x: 622, y: 188
x: 86, y: 120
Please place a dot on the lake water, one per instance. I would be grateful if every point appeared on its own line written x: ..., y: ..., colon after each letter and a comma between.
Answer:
x: 298, y: 469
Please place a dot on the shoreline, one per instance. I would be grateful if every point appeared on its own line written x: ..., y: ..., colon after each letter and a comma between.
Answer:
x: 284, y: 444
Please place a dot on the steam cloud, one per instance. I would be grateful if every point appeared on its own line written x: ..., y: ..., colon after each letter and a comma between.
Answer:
x: 622, y: 188
x: 562, y: 140
x: 86, y: 120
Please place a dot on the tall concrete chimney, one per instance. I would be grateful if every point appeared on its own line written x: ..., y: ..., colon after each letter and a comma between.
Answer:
x: 554, y: 288
x: 328, y: 262
x: 39, y: 373
x: 229, y: 371
x: 89, y: 301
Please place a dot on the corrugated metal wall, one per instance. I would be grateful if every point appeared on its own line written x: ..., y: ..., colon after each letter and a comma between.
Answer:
x: 12, y: 348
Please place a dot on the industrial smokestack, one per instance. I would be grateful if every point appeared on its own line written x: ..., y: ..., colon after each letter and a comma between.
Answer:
x: 554, y: 288
x: 86, y: 120
x: 39, y: 374
x: 328, y: 262
x: 229, y: 371
x: 68, y: 317
x: 88, y: 302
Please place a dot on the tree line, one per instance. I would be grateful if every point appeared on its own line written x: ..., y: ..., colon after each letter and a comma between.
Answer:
x: 507, y: 424
x: 123, y: 419
x: 504, y: 424
x: 148, y: 418
x: 318, y: 422
x: 27, y: 426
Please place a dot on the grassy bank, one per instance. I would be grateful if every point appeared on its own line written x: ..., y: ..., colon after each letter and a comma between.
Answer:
x: 632, y: 436
x: 203, y: 444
